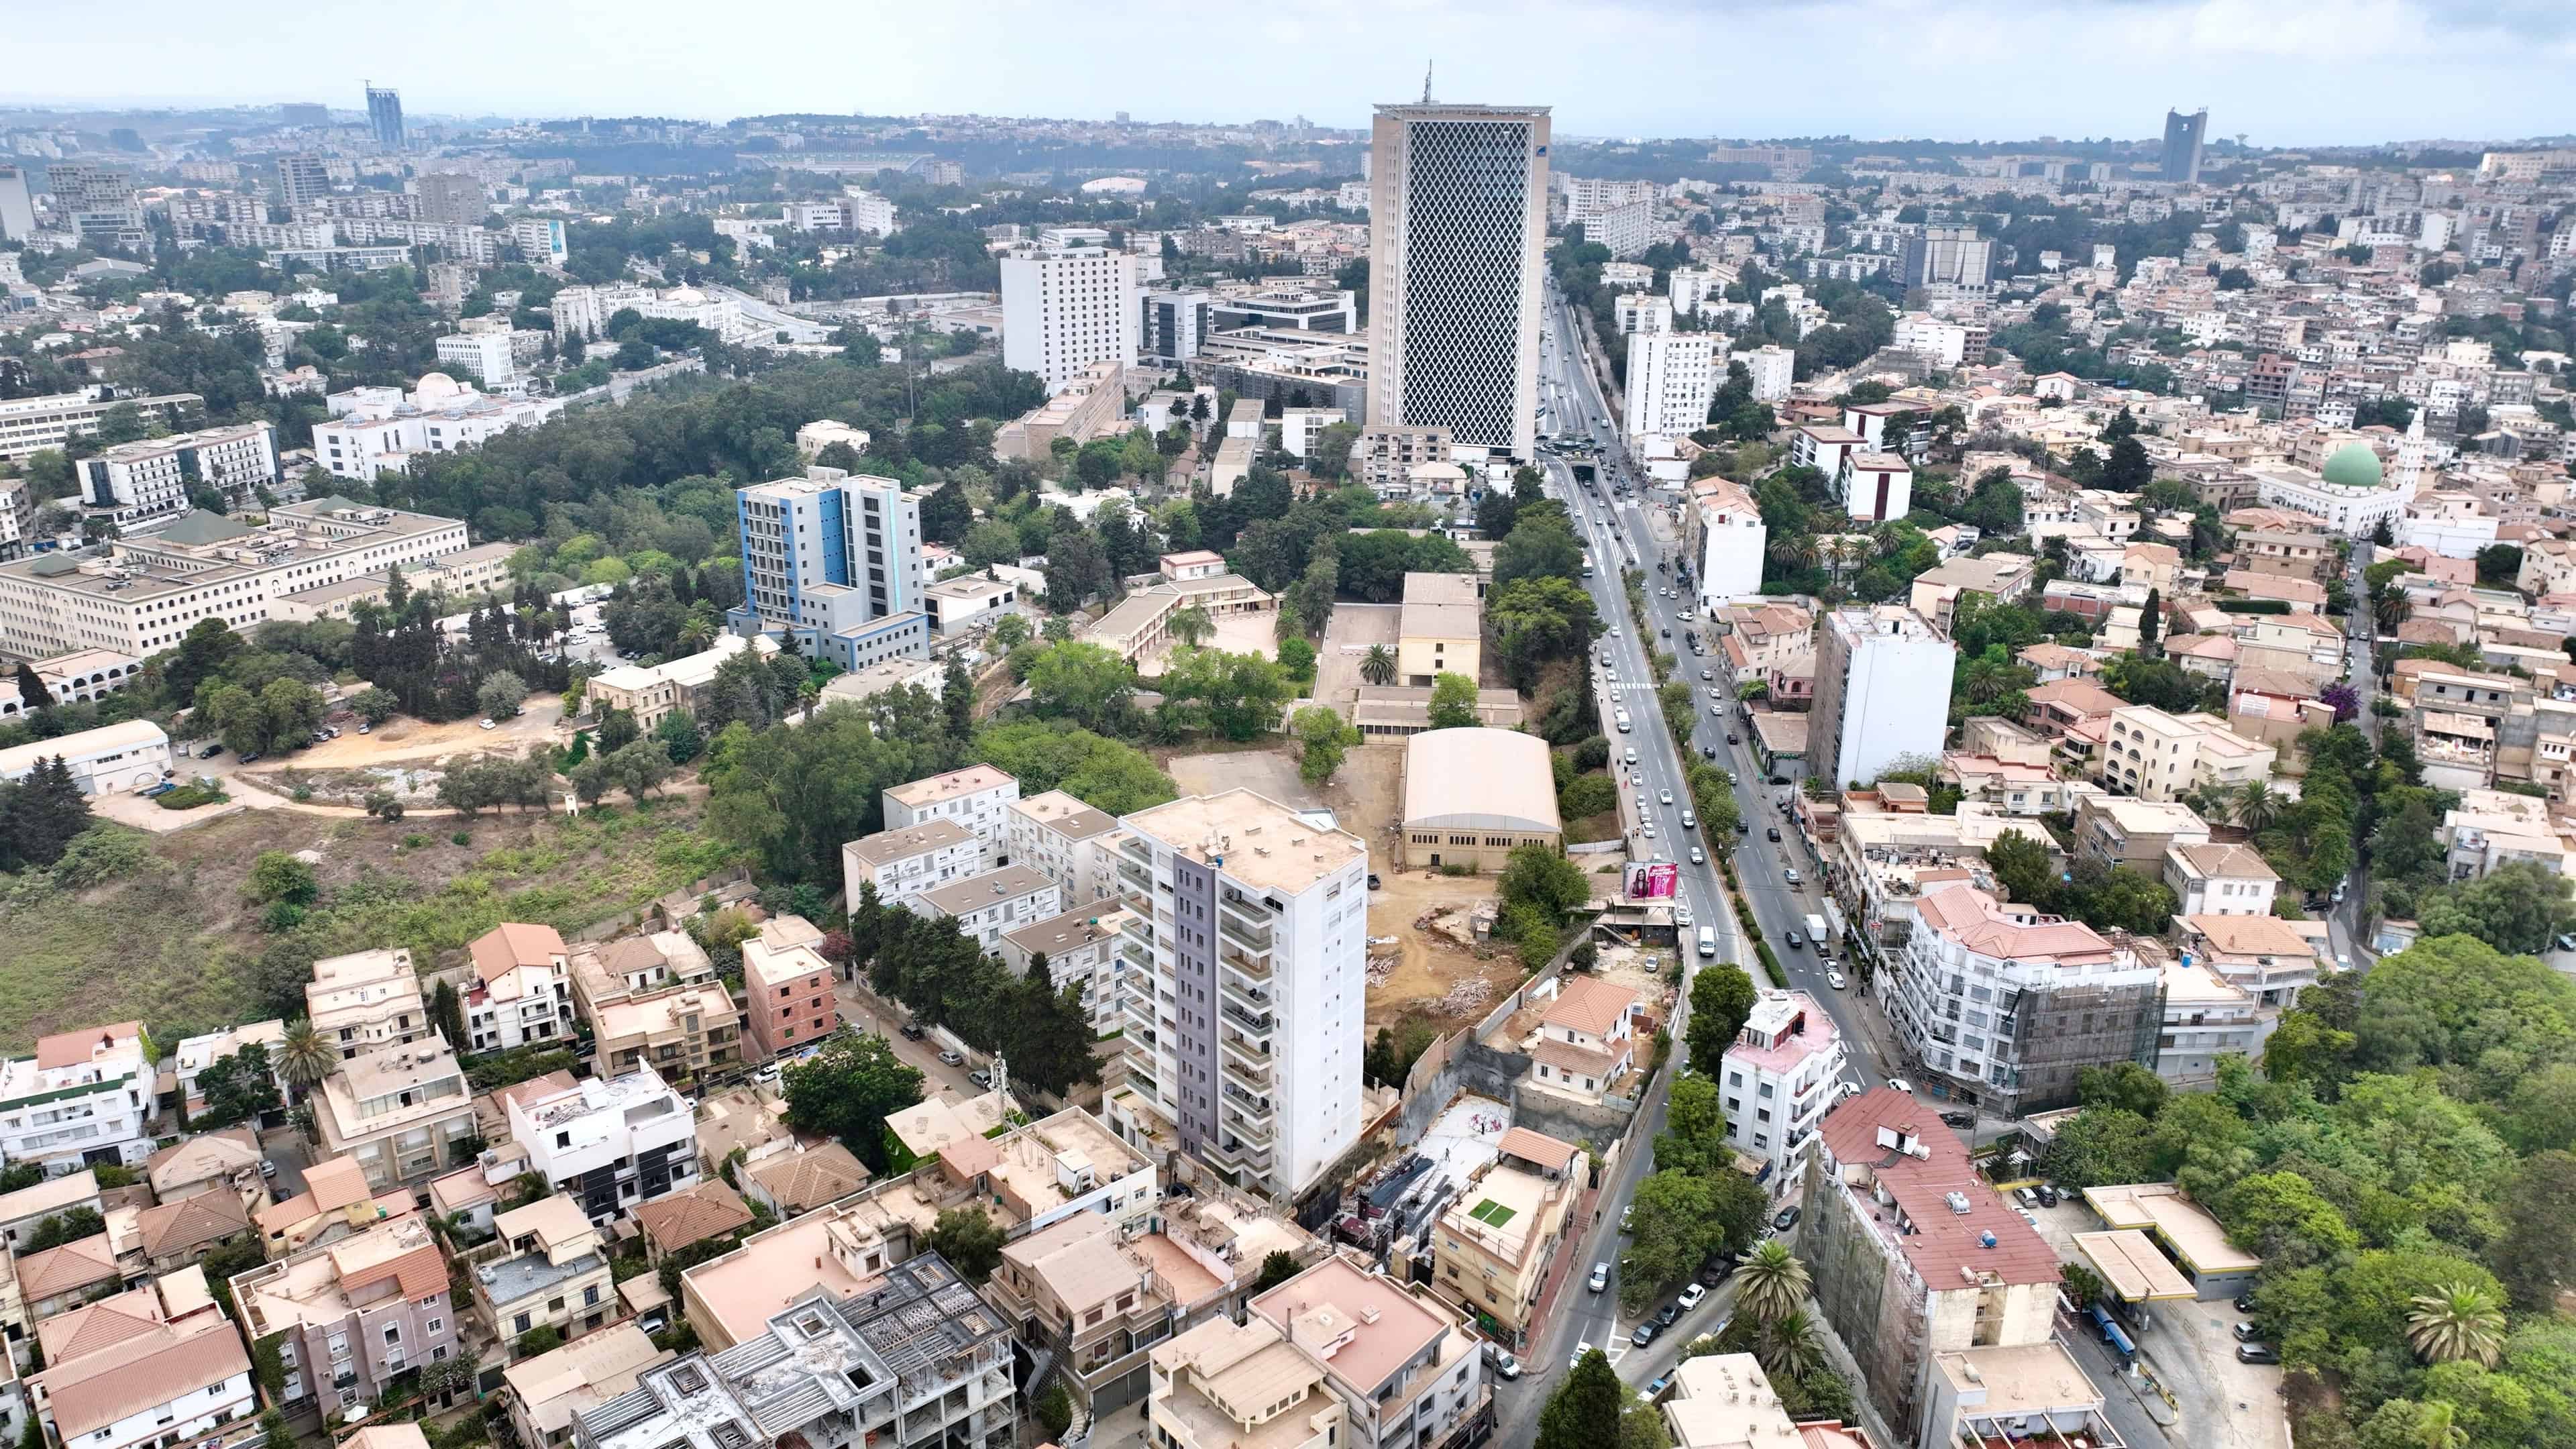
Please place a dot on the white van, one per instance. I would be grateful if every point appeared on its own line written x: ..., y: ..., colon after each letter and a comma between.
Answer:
x: 1707, y: 941
x: 1622, y: 718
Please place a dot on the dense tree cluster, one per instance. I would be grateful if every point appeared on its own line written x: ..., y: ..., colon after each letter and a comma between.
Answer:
x: 939, y: 972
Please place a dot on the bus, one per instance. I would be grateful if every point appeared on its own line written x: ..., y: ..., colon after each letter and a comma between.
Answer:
x: 1587, y: 563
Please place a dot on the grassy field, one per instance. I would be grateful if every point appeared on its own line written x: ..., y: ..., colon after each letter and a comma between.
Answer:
x: 175, y: 943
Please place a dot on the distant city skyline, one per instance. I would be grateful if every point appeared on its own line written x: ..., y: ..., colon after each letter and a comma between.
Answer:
x: 2398, y: 69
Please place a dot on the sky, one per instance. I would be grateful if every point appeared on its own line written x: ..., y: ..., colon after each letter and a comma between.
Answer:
x: 2280, y: 72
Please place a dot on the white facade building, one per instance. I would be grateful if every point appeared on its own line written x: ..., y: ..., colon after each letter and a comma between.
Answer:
x: 522, y: 990
x: 1732, y: 538
x: 1065, y: 840
x: 541, y: 240
x: 1776, y: 1081
x: 81, y: 1100
x: 151, y: 477
x: 990, y: 905
x: 487, y: 355
x: 1066, y: 308
x: 1882, y: 677
x: 1772, y: 369
x: 912, y: 859
x: 1671, y: 376
x: 608, y: 1143
x: 1458, y: 217
x: 377, y: 429
x: 977, y: 797
x: 127, y: 755
x: 1689, y: 287
x: 1242, y: 975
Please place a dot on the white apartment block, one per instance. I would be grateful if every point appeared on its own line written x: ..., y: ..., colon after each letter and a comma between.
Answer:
x: 607, y: 1143
x: 2008, y: 1005
x: 1671, y: 376
x: 521, y: 994
x: 1690, y: 287
x: 31, y: 424
x: 1784, y: 1069
x: 1081, y: 951
x: 584, y: 311
x: 1772, y: 368
x: 541, y: 240
x: 1065, y: 840
x: 1940, y: 343
x: 2219, y: 880
x: 1066, y: 308
x: 151, y: 477
x: 1880, y: 670
x: 1458, y: 217
x: 1637, y: 312
x: 1732, y: 538
x: 487, y: 355
x: 1242, y: 976
x: 907, y: 861
x: 977, y: 797
x: 988, y: 905
x: 82, y: 1100
x: 376, y: 430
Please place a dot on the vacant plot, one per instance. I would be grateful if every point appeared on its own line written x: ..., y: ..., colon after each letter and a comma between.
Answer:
x: 1434, y: 975
x: 1265, y: 771
x: 1235, y: 634
x: 176, y: 942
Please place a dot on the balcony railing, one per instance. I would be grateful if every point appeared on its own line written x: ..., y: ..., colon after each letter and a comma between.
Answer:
x: 1243, y: 933
x: 1252, y: 1024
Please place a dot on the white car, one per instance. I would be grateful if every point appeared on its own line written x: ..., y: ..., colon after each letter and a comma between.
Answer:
x: 1581, y: 1347
x: 1789, y: 874
x: 1682, y: 917
x: 1664, y: 796
x: 1697, y: 858
x: 1899, y: 1084
x: 1835, y: 980
x: 1691, y: 1296
x: 1614, y: 631
x: 1600, y: 1280
x: 488, y: 725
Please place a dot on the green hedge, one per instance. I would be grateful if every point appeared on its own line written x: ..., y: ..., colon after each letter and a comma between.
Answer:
x: 1770, y: 963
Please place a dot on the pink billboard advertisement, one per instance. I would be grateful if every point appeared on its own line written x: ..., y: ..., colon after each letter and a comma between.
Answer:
x: 1649, y: 879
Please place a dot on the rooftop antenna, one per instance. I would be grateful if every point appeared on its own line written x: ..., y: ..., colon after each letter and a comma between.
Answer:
x: 1426, y: 82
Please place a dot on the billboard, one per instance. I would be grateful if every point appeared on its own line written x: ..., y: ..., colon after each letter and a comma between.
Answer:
x: 1651, y: 879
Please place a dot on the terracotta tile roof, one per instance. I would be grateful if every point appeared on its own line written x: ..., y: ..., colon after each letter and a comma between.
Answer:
x: 1943, y: 1241
x: 72, y: 1266
x: 1589, y: 1005
x: 708, y: 1210
x: 1537, y: 1148
x: 78, y: 1332
x: 421, y: 1272
x: 89, y: 1394
x: 203, y: 1157
x: 1566, y: 1057
x: 71, y: 1048
x: 2249, y: 935
x: 1971, y: 917
x: 810, y: 1179
x: 190, y: 1223
x: 511, y: 945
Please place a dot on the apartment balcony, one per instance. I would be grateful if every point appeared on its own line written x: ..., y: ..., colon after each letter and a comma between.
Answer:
x: 1247, y: 934
x: 1247, y: 1115
x: 1255, y: 1056
x: 1254, y: 968
x: 1249, y: 999
x: 1257, y: 1025
x: 1246, y: 1079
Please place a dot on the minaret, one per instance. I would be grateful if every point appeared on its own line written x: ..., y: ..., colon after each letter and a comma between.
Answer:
x: 2413, y: 452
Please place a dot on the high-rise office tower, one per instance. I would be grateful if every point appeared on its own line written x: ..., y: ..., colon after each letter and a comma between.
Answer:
x: 1954, y: 254
x: 17, y: 205
x: 301, y: 180
x: 834, y: 559
x: 384, y: 115
x: 1242, y: 974
x: 453, y: 199
x: 1458, y: 213
x: 1882, y: 675
x: 2183, y: 135
x: 1065, y: 308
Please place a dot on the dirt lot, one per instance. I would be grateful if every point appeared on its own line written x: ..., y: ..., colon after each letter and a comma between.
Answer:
x: 1267, y: 772
x: 1235, y: 634
x: 1430, y: 977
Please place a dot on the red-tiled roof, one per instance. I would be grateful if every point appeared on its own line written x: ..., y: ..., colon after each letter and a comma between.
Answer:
x: 1943, y: 1241
x: 420, y: 1272
x: 513, y: 944
x: 1589, y: 1005
x: 1537, y: 1147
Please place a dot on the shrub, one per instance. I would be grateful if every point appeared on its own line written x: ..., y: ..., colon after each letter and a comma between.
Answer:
x: 462, y: 838
x: 189, y: 797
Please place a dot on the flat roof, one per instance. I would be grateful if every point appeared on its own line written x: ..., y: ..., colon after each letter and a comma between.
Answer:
x: 1006, y: 884
x: 1251, y: 838
x: 2184, y: 1226
x: 971, y: 780
x: 2032, y: 1378
x: 1479, y: 779
x: 2129, y: 1261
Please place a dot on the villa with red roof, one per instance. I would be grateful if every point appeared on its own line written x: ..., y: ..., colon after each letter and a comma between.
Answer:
x: 1587, y: 1039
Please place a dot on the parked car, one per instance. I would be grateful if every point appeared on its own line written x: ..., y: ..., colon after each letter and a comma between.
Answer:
x: 1789, y: 873
x: 1625, y: 1214
x: 164, y: 788
x: 1600, y: 1280
x: 951, y: 1059
x: 1691, y: 1295
x: 2247, y: 1333
x: 913, y: 1033
x: 487, y: 724
x: 1501, y: 1361
x: 981, y: 1078
x: 2257, y: 1353
x: 2025, y: 1197
x: 365, y: 728
x: 209, y: 752
x: 2047, y: 1195
x: 1899, y: 1084
x: 1645, y: 1333
x: 1373, y: 882
x: 1835, y: 980
x: 1787, y: 1218
x: 1961, y: 1120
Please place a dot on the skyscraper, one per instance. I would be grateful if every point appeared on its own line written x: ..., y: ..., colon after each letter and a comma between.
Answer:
x: 384, y: 115
x: 301, y: 180
x: 1065, y: 308
x: 17, y: 206
x: 2182, y: 143
x: 1458, y: 206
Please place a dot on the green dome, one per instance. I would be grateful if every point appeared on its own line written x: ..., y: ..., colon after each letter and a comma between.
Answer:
x: 2353, y: 466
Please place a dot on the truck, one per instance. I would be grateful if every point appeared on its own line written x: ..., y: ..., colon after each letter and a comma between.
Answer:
x: 1819, y: 932
x: 1587, y: 563
x: 1707, y: 942
x: 1622, y: 718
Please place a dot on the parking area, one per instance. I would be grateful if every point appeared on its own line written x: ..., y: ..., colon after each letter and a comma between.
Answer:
x: 1354, y: 629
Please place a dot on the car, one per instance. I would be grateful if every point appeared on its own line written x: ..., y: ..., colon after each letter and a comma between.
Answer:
x: 1787, y: 1218
x: 1708, y: 752
x: 1773, y: 832
x: 1600, y: 1277
x: 1743, y: 826
x: 1373, y: 881
x: 1682, y: 914
x: 1779, y: 779
x: 1648, y: 830
x: 209, y: 752
x: 1717, y: 711
x: 1645, y: 1333
x: 1789, y: 873
x: 1625, y: 1214
x: 1836, y: 980
x: 2245, y: 1301
x: 2247, y: 1333
x: 980, y: 1078
x: 2047, y: 1195
x: 2566, y: 942
x: 1899, y: 1084
x: 1503, y: 1363
x: 488, y: 724
x: 1655, y: 1391
x: 1582, y: 1346
x: 1628, y: 756
x: 1690, y: 1298
x: 1707, y: 674
x: 267, y: 1168
x: 251, y: 759
x: 2257, y: 1353
x: 1664, y: 797
x: 1690, y: 821
x: 1614, y: 631
x: 365, y: 728
x: 950, y: 1058
x: 912, y: 1032
x: 1696, y: 857
x: 157, y: 791
x: 1796, y: 940
x: 1636, y: 782
x: 2337, y: 897
x: 1961, y: 1120
x: 1732, y: 739
x: 2025, y: 1197
x: 1717, y: 1270
x: 1668, y: 633
x: 2343, y: 959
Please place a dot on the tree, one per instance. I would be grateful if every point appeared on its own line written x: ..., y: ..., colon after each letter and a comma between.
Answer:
x: 31, y: 690
x: 617, y: 730
x: 41, y: 815
x: 1277, y: 1268
x: 1790, y: 1346
x: 237, y: 1088
x: 2456, y: 1321
x: 1585, y: 1410
x: 1770, y: 1282
x: 1721, y: 997
x: 1326, y: 738
x: 1539, y: 546
x: 970, y: 1240
x: 639, y: 769
x: 501, y: 694
x: 2539, y: 1212
x: 278, y: 876
x: 1085, y: 683
x: 1453, y: 702
x: 305, y: 1057
x: 447, y: 1011
x: 1673, y: 1228
x: 2150, y: 618
x: 679, y: 737
x: 2518, y: 908
x: 2101, y: 1145
x: 1192, y: 626
x: 2125, y: 1085
x: 373, y: 705
x: 1378, y: 666
x: 847, y: 1089
x: 69, y: 1226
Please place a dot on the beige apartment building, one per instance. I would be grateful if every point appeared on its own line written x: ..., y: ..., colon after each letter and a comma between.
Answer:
x: 2118, y: 830
x: 1224, y: 1385
x: 548, y: 1267
x: 654, y: 1001
x: 403, y: 1112
x: 1441, y: 629
x: 1495, y: 1244
x: 366, y: 1000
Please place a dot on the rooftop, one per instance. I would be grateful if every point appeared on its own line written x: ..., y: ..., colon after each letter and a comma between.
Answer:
x: 1363, y: 1326
x: 2185, y: 1226
x: 1975, y: 920
x: 955, y: 785
x: 975, y: 892
x: 1252, y: 839
x: 1946, y: 1221
x: 1065, y: 815
x: 1479, y: 779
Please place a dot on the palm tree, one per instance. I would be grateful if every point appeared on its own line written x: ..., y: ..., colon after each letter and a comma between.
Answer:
x: 1789, y: 1346
x: 2461, y: 1320
x: 2257, y: 808
x: 2437, y: 1426
x: 1192, y: 626
x: 305, y: 1057
x: 1771, y: 1282
x: 1379, y: 666
x: 1794, y: 551
x: 2392, y: 607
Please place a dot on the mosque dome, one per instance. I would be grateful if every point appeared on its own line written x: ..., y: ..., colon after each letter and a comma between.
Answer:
x: 2353, y: 465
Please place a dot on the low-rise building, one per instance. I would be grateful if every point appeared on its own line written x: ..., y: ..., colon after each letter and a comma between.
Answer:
x: 954, y: 606
x: 1472, y: 796
x: 1403, y: 1363
x: 789, y: 992
x: 1079, y: 1295
x: 1441, y: 628
x: 111, y: 759
x: 154, y: 1368
x: 2491, y: 828
x: 82, y: 1100
x: 1495, y: 1243
x: 192, y: 1056
x: 1782, y: 1071
x: 985, y: 906
x: 2001, y: 1394
x: 2268, y: 958
x: 336, y: 1202
x: 522, y: 991
x: 404, y: 1112
x: 549, y: 1268
x: 2220, y: 880
x: 654, y: 1001
x: 225, y: 1162
x: 549, y: 1390
x: 1909, y: 1251
x: 651, y: 692
x: 367, y: 1000
x: 606, y: 1143
x: 355, y: 1313
x: 2206, y: 1019
x: 1224, y: 1385
x: 2119, y: 830
x: 707, y: 1212
x: 792, y: 1183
